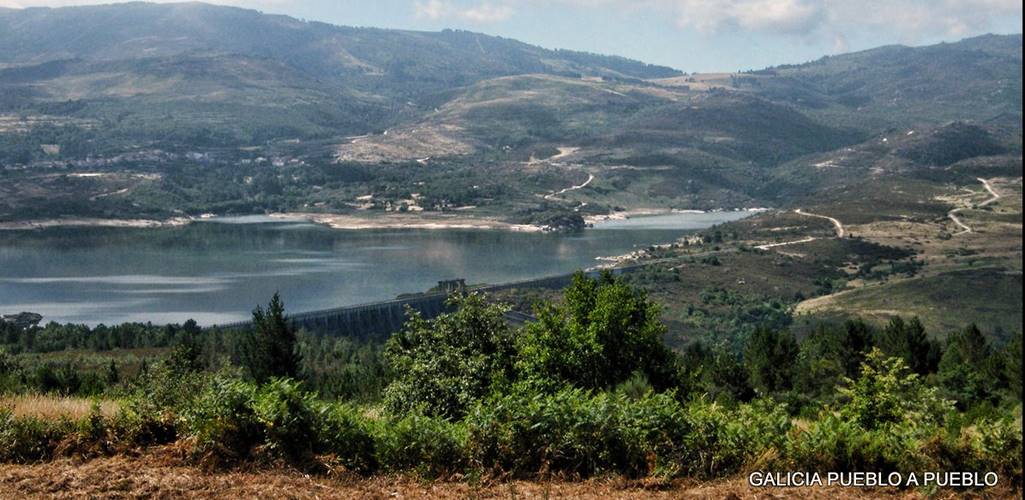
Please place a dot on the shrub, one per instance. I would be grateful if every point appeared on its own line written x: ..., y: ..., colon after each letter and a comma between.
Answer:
x: 834, y: 444
x: 887, y: 393
x: 346, y: 434
x: 288, y: 418
x: 576, y: 432
x: 427, y: 446
x: 222, y: 421
x: 29, y: 439
x: 444, y: 365
x: 570, y: 431
x: 721, y: 441
x: 603, y: 333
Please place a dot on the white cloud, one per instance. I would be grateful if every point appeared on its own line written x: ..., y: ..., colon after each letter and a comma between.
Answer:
x: 910, y: 20
x: 445, y: 9
x: 780, y: 16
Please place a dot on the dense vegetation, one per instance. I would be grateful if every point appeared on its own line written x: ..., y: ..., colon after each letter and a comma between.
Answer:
x: 588, y: 389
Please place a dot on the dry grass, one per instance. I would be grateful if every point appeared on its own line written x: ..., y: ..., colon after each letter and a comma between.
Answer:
x: 54, y: 407
x: 156, y: 475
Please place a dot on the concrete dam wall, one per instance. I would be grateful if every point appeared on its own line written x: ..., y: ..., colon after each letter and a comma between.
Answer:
x: 378, y: 320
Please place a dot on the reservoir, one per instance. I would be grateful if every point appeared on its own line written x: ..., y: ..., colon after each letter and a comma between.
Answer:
x: 216, y: 271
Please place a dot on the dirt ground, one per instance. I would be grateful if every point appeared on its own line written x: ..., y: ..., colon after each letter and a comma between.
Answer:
x: 154, y: 476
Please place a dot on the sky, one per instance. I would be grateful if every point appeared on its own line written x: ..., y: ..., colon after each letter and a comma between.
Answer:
x: 690, y: 35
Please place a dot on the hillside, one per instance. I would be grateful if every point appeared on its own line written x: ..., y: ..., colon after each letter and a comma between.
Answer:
x: 133, y: 64
x: 167, y: 110
x: 977, y: 79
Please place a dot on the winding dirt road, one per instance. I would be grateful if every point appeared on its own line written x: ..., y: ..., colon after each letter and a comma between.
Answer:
x: 989, y: 188
x: 785, y: 243
x: 965, y: 228
x: 836, y: 223
x: 590, y: 177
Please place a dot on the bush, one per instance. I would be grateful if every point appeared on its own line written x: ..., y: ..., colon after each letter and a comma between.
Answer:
x: 887, y: 393
x: 602, y: 334
x: 835, y: 444
x: 569, y: 431
x: 29, y: 439
x: 575, y: 432
x: 347, y: 435
x: 721, y: 441
x: 446, y: 364
x: 287, y: 417
x: 428, y: 446
x: 222, y: 421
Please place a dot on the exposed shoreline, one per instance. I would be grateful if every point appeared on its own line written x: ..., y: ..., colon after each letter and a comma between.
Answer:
x: 31, y: 224
x: 397, y: 221
x: 648, y: 212
x: 350, y: 221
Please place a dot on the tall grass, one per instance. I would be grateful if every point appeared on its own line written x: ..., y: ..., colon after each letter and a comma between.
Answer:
x: 55, y: 407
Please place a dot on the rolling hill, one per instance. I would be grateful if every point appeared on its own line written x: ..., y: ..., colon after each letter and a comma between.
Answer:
x: 192, y: 108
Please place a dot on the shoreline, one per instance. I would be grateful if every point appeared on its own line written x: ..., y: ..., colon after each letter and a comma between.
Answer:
x: 33, y: 224
x: 391, y: 221
x: 351, y: 221
x: 649, y: 212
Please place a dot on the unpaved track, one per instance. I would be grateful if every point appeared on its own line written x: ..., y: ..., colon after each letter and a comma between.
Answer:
x: 965, y: 228
x: 785, y: 243
x: 836, y: 223
x: 989, y: 188
x: 590, y: 177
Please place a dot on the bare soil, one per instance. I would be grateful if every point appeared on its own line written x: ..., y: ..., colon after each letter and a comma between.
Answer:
x: 157, y: 475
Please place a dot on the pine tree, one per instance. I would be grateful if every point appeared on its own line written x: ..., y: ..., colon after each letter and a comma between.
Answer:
x: 113, y: 376
x: 856, y: 343
x: 910, y: 342
x: 272, y: 350
x: 770, y: 357
x: 1012, y: 365
x: 968, y: 370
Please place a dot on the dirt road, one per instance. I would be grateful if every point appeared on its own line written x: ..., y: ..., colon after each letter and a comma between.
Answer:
x: 836, y: 223
x: 965, y: 228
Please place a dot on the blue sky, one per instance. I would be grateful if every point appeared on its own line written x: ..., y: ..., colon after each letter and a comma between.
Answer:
x: 691, y: 35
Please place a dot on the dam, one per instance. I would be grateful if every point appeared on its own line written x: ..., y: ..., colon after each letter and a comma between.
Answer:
x: 375, y: 321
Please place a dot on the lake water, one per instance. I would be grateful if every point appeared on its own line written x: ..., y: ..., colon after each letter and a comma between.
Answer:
x: 217, y: 271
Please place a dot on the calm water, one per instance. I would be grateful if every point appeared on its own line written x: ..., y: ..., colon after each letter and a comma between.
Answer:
x: 215, y: 272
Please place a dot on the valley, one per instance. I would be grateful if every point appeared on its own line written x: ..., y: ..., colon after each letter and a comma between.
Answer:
x: 248, y: 254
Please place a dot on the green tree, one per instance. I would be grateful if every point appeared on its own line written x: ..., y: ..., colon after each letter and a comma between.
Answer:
x: 602, y: 333
x: 112, y: 376
x: 969, y: 371
x: 910, y: 342
x: 272, y: 349
x: 887, y: 392
x: 186, y: 355
x: 821, y: 363
x: 725, y: 376
x: 770, y: 357
x: 856, y: 343
x: 444, y: 365
x: 1012, y: 365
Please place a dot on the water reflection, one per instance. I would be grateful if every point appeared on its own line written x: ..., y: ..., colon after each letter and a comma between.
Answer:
x: 217, y: 271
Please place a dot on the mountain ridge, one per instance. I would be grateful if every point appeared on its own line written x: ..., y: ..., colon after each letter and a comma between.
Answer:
x: 239, y: 111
